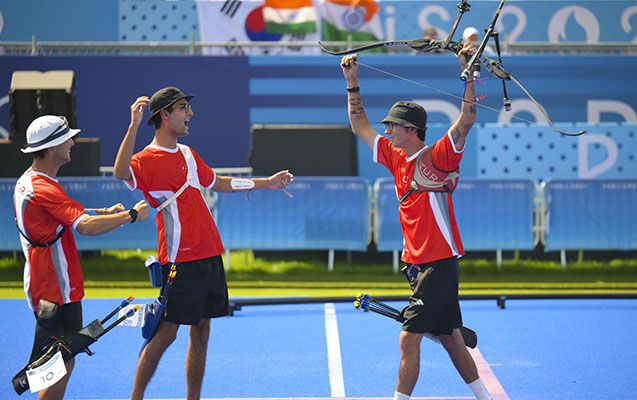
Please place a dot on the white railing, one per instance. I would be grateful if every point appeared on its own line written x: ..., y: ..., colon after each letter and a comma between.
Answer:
x: 246, y: 48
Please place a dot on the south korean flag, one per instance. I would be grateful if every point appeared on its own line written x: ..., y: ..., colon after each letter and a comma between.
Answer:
x: 229, y: 23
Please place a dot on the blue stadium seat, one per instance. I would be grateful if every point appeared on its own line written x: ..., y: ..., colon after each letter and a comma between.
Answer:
x: 91, y: 192
x: 491, y: 214
x: 591, y: 214
x: 325, y: 213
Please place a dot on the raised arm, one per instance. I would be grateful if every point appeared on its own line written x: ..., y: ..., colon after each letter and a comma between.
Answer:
x: 125, y: 153
x: 357, y: 117
x: 461, y: 127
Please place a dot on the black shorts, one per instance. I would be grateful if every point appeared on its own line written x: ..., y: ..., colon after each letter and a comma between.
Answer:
x: 198, y: 291
x: 434, y: 306
x: 67, y: 319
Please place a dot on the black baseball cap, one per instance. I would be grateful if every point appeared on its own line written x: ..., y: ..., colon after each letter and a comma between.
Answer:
x: 164, y: 98
x: 407, y: 113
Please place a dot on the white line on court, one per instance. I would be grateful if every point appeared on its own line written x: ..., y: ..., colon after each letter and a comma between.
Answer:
x: 489, y: 379
x: 334, y: 352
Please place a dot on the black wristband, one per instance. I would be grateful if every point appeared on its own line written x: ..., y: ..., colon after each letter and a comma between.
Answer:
x: 133, y: 214
x: 354, y: 89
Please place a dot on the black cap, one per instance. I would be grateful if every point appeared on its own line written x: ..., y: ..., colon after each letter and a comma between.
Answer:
x: 164, y: 98
x: 407, y: 113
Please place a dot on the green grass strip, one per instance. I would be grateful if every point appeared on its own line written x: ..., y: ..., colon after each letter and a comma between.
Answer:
x: 122, y: 273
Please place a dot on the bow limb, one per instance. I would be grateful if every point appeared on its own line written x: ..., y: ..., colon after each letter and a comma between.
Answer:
x: 423, y: 45
x: 496, y: 69
x: 363, y: 48
x: 539, y: 106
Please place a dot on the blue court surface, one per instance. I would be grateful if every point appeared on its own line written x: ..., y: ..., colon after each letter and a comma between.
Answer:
x: 532, y: 349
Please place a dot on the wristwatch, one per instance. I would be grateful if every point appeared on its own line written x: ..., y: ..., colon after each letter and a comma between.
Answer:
x: 133, y: 214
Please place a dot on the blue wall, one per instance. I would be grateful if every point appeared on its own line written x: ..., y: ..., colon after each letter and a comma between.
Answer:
x: 232, y: 93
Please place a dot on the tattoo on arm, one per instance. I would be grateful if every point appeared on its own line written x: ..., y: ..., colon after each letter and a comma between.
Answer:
x: 356, y: 107
x: 455, y: 135
x: 472, y: 108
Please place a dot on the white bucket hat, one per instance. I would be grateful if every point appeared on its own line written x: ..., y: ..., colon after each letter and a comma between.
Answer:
x: 47, y: 131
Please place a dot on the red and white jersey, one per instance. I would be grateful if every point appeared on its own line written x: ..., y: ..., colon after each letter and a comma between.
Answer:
x: 427, y: 220
x: 42, y: 209
x: 186, y: 229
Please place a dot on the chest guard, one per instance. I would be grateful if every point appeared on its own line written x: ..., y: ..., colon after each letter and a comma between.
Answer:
x: 191, y: 180
x: 428, y: 178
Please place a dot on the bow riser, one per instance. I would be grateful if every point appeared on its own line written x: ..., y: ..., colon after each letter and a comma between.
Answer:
x: 489, y: 31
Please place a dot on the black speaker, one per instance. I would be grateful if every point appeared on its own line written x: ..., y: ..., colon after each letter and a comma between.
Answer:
x: 34, y: 93
x: 306, y: 150
x: 85, y: 159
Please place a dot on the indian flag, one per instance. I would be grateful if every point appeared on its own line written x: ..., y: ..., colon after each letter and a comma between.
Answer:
x: 356, y: 18
x: 289, y: 16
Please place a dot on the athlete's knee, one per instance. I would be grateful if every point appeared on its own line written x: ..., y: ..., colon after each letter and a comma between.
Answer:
x: 166, y: 332
x: 201, y: 331
x: 452, y: 343
x: 409, y: 342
